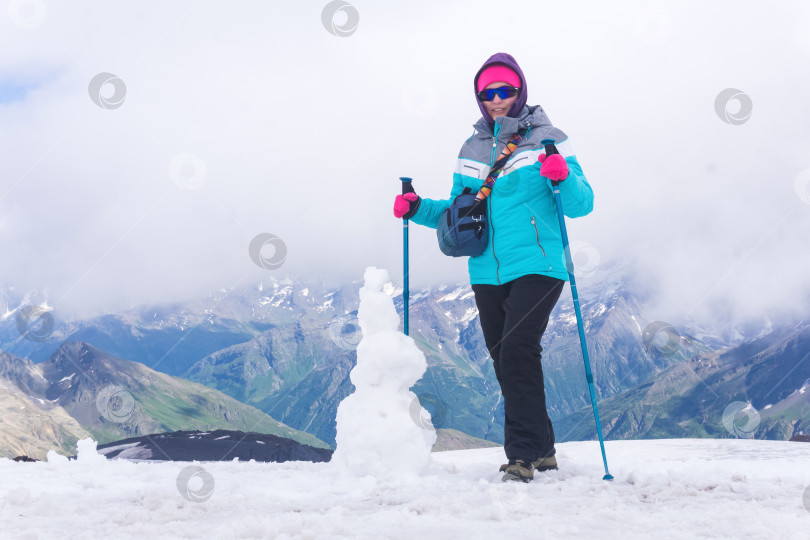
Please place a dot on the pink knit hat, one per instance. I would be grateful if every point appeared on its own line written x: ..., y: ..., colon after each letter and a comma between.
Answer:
x: 497, y: 73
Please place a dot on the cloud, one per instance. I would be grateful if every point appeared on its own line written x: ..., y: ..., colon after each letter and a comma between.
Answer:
x: 302, y: 134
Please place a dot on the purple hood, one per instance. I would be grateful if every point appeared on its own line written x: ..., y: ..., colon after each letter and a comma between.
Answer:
x: 517, y: 106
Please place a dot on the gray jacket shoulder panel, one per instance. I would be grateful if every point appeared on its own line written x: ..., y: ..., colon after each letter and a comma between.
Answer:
x: 479, y: 147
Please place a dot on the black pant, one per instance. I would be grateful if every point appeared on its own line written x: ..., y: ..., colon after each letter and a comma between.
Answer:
x: 513, y: 317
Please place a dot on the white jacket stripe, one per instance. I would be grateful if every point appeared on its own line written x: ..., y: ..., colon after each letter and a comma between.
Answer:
x: 476, y: 169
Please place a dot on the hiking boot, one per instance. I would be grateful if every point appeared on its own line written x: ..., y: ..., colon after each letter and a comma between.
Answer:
x: 545, y: 464
x: 517, y: 470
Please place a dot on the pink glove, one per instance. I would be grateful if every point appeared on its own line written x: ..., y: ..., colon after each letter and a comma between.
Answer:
x: 406, y: 205
x: 554, y: 167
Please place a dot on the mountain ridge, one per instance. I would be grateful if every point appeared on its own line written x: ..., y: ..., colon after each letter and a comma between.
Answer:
x: 287, y: 348
x: 110, y: 398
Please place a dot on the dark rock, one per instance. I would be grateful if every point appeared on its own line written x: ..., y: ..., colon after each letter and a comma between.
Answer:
x: 217, y: 445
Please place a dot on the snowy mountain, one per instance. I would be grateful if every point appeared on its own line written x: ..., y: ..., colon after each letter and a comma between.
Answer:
x: 287, y: 347
x: 31, y: 425
x: 112, y: 398
x: 298, y: 372
x: 760, y: 388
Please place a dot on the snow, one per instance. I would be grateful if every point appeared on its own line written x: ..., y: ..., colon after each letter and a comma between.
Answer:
x: 129, y: 451
x: 469, y: 315
x: 687, y: 488
x: 452, y: 296
x: 414, y: 296
x: 597, y: 310
x: 640, y: 331
x: 67, y: 378
x: 377, y: 433
x: 279, y: 296
x: 392, y: 290
x: 326, y: 305
x: 802, y: 389
x: 569, y: 318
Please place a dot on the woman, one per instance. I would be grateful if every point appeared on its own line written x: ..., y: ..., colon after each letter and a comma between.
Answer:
x: 519, y: 278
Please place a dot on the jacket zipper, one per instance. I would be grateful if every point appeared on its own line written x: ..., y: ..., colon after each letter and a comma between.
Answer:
x: 495, y: 132
x: 497, y: 262
x: 537, y: 235
x: 491, y: 224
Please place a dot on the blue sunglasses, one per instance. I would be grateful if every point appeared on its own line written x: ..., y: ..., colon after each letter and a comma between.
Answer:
x: 503, y: 92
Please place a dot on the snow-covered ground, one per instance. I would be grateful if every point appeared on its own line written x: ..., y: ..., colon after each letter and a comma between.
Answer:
x: 663, y: 489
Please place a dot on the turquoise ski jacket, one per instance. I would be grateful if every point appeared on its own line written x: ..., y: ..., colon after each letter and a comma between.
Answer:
x: 524, y: 230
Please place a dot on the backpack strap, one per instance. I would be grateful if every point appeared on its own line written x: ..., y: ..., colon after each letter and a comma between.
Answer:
x: 513, y: 143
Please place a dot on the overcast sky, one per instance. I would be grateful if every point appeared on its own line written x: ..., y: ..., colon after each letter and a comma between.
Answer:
x: 233, y: 119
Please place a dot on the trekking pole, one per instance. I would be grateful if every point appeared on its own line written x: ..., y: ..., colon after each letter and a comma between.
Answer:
x: 569, y: 263
x: 406, y: 188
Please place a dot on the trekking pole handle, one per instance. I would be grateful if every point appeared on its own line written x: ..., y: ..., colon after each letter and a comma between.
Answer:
x: 550, y: 149
x: 407, y: 186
